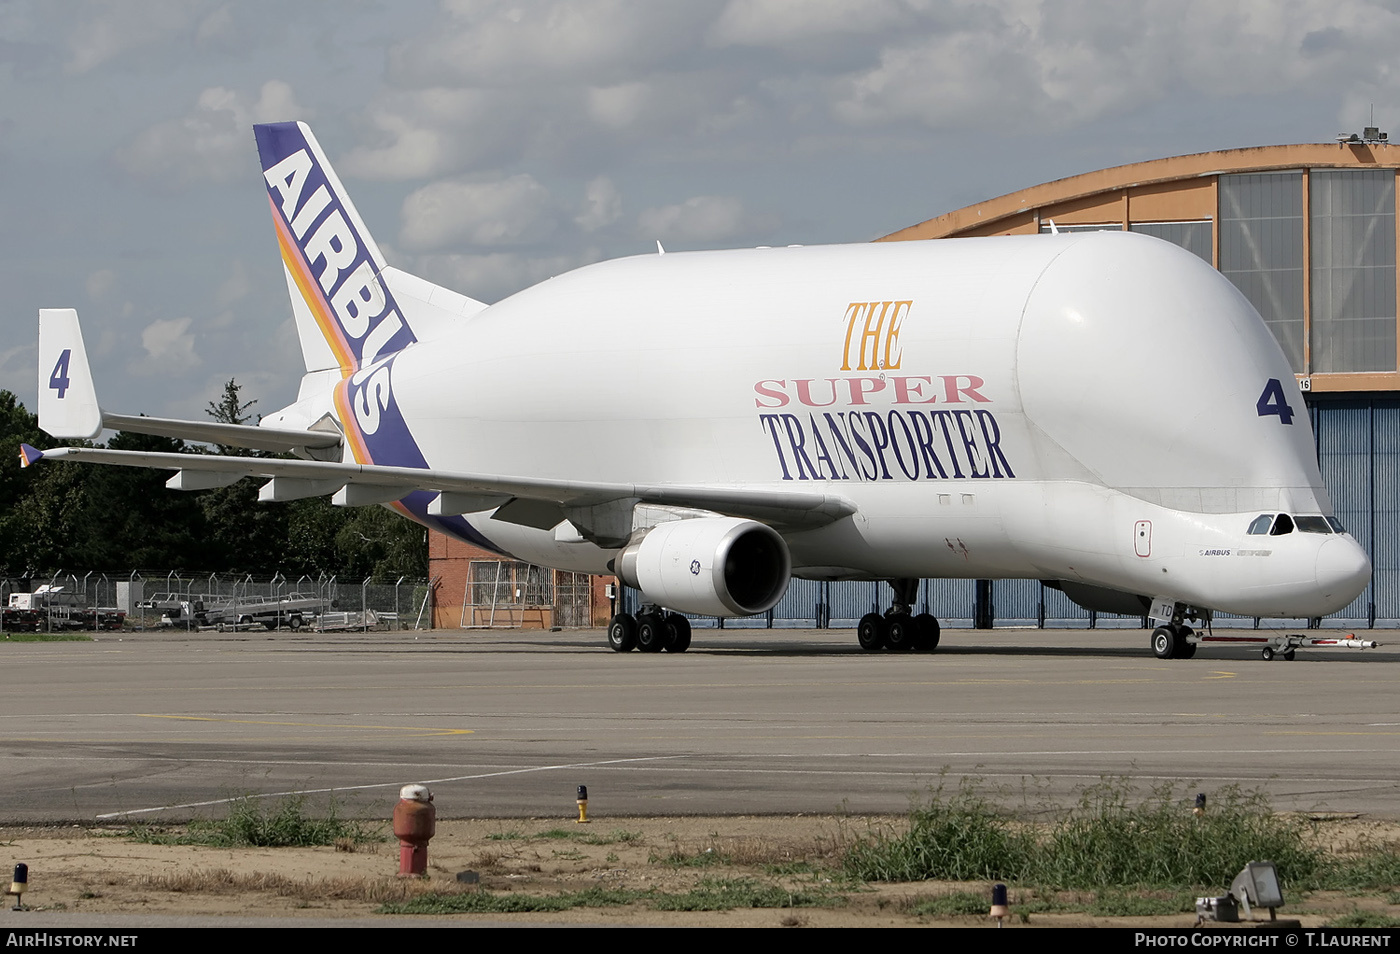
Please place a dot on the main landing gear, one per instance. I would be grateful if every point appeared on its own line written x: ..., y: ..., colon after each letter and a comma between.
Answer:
x: 897, y: 629
x: 651, y: 631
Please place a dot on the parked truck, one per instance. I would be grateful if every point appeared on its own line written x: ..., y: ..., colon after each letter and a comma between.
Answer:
x: 51, y: 608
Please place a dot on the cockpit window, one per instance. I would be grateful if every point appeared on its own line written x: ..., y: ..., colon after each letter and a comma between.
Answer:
x: 1260, y: 524
x: 1336, y: 525
x: 1283, y: 523
x: 1313, y: 524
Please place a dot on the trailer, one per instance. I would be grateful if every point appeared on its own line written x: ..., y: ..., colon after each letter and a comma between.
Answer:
x: 293, y: 610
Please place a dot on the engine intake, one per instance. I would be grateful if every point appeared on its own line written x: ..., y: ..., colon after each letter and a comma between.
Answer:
x: 712, y: 566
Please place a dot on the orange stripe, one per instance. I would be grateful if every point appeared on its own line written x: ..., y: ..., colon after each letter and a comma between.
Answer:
x: 311, y: 292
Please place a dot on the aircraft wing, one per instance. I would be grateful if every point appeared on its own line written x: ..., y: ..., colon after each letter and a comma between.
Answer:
x: 528, y: 501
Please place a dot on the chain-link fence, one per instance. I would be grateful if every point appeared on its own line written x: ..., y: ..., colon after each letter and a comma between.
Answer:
x: 219, y: 601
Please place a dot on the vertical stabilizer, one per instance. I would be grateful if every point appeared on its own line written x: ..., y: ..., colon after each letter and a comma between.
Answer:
x: 67, y: 399
x: 346, y: 315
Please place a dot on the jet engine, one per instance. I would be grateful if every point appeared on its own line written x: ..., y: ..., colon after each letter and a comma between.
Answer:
x: 712, y: 566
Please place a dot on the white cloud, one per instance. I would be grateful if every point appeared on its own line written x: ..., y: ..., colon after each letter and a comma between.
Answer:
x: 704, y: 218
x: 103, y: 31
x: 493, y: 276
x: 513, y: 211
x: 211, y: 143
x: 602, y: 205
x: 169, y: 347
x: 100, y: 284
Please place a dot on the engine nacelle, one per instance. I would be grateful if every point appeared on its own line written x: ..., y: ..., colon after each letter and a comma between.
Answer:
x: 711, y: 566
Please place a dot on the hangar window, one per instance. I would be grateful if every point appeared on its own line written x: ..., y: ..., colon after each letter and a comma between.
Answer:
x: 1260, y: 524
x: 1313, y: 524
x: 1282, y: 524
x: 1196, y: 237
x: 1352, y: 233
x: 1261, y: 250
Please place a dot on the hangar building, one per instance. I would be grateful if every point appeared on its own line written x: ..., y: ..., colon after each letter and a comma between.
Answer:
x: 1306, y: 232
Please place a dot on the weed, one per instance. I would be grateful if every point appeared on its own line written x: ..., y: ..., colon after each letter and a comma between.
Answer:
x: 511, y: 835
x: 483, y: 902
x: 1111, y: 838
x: 249, y: 825
x: 724, y: 894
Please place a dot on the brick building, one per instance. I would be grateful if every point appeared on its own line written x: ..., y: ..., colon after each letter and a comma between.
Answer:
x: 475, y: 588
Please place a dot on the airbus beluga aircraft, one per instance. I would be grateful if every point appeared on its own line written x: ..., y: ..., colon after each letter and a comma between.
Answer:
x: 1101, y: 411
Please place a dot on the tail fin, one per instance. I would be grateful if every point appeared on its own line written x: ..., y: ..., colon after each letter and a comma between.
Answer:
x: 346, y: 315
x: 67, y: 399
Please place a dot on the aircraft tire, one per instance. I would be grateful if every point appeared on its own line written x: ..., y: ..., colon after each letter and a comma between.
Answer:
x: 901, y: 634
x: 680, y: 633
x: 870, y: 632
x: 1288, y: 655
x: 928, y: 631
x: 1268, y: 653
x: 652, y: 634
x: 1163, y: 643
x: 622, y: 633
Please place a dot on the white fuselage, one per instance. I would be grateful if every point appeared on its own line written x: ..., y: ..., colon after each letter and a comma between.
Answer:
x: 1086, y: 407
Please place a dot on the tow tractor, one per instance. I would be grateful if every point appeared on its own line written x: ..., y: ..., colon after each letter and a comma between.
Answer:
x: 1285, y: 644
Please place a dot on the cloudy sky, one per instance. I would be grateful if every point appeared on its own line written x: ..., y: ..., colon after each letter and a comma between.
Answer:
x: 489, y: 145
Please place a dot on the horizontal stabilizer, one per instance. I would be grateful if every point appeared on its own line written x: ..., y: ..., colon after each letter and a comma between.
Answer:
x: 277, y: 440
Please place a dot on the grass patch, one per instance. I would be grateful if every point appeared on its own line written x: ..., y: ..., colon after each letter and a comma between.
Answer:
x: 726, y: 894
x: 1113, y: 838
x: 511, y: 835
x: 47, y: 638
x: 250, y: 825
x: 483, y: 902
x: 721, y: 894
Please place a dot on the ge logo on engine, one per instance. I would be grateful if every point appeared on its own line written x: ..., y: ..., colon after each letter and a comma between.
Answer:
x: 694, y: 567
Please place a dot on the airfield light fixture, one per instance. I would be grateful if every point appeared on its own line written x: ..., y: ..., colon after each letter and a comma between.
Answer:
x: 1257, y: 887
x: 18, y: 884
x: 582, y: 799
x: 1254, y: 887
x: 1000, y: 908
x: 1200, y: 808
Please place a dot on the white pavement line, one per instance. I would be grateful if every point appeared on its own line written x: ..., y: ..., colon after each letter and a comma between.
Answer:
x: 355, y: 788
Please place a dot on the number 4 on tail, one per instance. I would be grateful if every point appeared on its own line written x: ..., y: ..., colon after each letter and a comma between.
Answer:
x: 59, y: 379
x: 1270, y: 402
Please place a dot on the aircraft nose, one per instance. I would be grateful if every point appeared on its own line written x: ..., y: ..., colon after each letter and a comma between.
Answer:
x: 1343, y: 570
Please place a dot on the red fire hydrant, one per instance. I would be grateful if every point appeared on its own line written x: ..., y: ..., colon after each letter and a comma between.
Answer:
x: 415, y: 822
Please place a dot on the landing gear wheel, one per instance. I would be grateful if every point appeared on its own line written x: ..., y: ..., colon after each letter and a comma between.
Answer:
x: 652, y: 633
x: 900, y: 632
x: 1184, y: 648
x: 1268, y: 653
x: 680, y: 633
x: 622, y: 633
x: 928, y: 630
x: 1163, y: 643
x: 871, y: 632
x: 1288, y: 654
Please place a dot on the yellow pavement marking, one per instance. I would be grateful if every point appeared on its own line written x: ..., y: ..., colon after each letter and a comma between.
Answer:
x: 312, y: 725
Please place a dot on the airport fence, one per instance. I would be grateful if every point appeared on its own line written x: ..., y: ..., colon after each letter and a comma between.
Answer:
x: 154, y: 599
